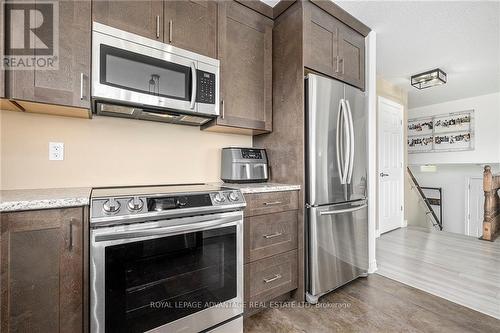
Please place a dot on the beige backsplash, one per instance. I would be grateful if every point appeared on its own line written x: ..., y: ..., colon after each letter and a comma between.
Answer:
x: 107, y: 151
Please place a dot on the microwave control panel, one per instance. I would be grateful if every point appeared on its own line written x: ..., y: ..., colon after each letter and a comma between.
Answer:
x: 205, y: 92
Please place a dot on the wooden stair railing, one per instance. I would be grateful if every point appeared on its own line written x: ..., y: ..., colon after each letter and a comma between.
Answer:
x: 437, y: 221
x: 491, y: 222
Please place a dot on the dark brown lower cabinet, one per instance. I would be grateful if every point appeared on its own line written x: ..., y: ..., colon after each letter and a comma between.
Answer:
x: 271, y: 236
x: 42, y: 271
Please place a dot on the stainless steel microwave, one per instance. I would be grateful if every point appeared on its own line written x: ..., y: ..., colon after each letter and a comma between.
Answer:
x: 137, y: 77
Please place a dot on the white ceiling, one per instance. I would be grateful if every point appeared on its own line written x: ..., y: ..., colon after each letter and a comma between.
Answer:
x: 460, y: 37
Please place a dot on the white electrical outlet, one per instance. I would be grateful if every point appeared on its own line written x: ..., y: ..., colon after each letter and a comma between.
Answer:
x: 56, y: 151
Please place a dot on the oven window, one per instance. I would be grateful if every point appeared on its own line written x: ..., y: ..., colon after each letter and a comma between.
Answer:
x: 151, y: 283
x: 137, y: 72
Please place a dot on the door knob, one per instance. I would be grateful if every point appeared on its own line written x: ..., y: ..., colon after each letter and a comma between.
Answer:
x: 384, y: 174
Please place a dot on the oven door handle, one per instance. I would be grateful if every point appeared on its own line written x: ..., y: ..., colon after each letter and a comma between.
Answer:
x: 156, y: 231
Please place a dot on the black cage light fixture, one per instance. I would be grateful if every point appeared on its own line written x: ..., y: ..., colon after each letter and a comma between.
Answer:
x: 428, y: 79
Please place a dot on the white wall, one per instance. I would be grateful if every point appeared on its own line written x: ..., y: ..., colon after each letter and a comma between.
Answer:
x: 486, y: 131
x: 453, y: 179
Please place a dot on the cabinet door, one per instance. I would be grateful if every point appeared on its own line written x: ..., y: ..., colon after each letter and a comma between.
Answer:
x: 321, y: 34
x: 192, y: 25
x: 70, y: 83
x: 245, y: 52
x: 41, y: 262
x: 352, y: 57
x: 139, y: 17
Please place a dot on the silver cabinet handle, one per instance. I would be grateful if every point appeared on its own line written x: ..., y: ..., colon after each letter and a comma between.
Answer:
x: 274, y: 278
x: 193, y: 85
x: 341, y: 211
x: 170, y: 32
x: 157, y: 26
x: 336, y: 64
x: 342, y: 61
x: 82, y: 86
x: 223, y: 109
x: 269, y: 236
x: 273, y: 203
x: 351, y: 142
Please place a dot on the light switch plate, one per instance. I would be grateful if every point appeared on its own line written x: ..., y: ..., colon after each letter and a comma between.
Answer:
x: 56, y: 151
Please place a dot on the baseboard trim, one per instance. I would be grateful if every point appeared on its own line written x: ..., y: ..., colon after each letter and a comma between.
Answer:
x: 372, y: 267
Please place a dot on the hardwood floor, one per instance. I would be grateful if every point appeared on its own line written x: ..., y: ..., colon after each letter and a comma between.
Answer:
x: 373, y: 304
x: 459, y: 268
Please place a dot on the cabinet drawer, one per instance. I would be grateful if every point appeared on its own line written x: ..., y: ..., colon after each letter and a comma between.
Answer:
x: 272, y: 202
x: 271, y: 277
x: 267, y: 235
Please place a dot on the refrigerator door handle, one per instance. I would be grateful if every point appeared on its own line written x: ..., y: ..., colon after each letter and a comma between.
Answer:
x: 351, y: 142
x: 346, y: 131
x: 339, y: 136
x: 341, y: 211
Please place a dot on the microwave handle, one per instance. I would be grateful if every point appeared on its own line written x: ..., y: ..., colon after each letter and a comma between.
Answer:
x: 193, y: 85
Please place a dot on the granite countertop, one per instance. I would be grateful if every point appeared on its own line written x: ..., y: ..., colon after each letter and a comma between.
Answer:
x: 15, y: 200
x: 263, y: 187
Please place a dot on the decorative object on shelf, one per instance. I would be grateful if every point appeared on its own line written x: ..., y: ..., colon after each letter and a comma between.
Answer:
x: 429, y: 79
x: 444, y: 132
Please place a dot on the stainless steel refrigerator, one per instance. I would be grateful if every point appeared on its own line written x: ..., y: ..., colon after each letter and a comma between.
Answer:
x: 336, y: 185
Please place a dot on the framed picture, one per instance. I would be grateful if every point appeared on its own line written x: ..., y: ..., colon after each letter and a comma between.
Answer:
x: 458, y: 122
x: 444, y: 132
x: 420, y: 143
x: 421, y: 126
x: 455, y: 141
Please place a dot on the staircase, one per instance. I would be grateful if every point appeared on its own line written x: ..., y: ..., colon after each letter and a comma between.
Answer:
x: 427, y: 203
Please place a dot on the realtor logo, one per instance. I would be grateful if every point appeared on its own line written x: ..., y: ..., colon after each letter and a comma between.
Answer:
x: 32, y: 35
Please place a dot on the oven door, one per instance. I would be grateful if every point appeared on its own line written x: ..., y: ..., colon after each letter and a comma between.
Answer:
x: 131, y: 69
x: 174, y: 275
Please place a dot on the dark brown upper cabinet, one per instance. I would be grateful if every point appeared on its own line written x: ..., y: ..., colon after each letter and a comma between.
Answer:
x: 69, y: 84
x: 352, y: 57
x: 144, y: 18
x: 333, y: 48
x: 245, y: 53
x: 42, y: 279
x: 192, y: 25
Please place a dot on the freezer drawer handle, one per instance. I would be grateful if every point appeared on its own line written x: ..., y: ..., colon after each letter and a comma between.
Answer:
x: 273, y: 203
x: 276, y: 234
x: 276, y: 277
x: 340, y: 211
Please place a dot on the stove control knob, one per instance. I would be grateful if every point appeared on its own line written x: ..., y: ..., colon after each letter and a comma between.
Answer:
x: 219, y: 198
x: 233, y: 196
x: 135, y: 204
x: 111, y: 206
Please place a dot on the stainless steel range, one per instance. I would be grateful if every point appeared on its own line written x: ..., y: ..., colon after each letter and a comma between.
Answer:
x: 166, y: 259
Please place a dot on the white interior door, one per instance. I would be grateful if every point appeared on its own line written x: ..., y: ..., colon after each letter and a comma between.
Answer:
x: 390, y: 165
x: 475, y: 214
